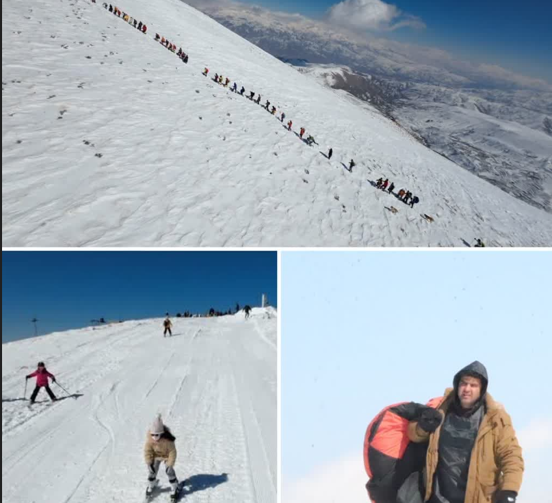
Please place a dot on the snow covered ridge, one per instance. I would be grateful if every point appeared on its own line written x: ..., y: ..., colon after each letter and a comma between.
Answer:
x: 214, y: 382
x: 110, y: 140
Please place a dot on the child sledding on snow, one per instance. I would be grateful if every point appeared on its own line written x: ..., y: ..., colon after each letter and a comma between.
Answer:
x: 160, y: 448
x: 42, y: 376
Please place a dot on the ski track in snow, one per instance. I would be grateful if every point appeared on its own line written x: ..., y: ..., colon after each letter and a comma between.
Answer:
x: 186, y: 162
x: 216, y: 392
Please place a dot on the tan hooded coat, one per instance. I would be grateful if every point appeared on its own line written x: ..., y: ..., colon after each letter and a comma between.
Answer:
x: 164, y: 450
x: 496, y: 461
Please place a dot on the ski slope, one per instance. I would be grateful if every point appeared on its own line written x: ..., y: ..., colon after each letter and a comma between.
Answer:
x: 214, y: 382
x: 108, y: 139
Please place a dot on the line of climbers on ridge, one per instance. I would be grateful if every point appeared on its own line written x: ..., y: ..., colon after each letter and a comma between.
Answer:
x: 126, y: 17
x: 171, y: 47
x: 144, y: 29
x: 403, y: 195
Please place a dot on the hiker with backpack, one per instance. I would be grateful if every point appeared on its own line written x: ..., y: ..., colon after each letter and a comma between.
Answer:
x: 160, y: 448
x: 42, y: 375
x: 247, y: 309
x: 352, y: 164
x: 414, y: 200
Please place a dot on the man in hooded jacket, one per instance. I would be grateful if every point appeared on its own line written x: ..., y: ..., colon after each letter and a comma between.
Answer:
x: 473, y: 454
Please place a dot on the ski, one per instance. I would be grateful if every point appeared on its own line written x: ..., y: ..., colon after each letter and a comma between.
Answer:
x: 151, y: 492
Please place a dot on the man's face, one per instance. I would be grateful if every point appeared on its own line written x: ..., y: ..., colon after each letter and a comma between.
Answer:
x: 469, y: 391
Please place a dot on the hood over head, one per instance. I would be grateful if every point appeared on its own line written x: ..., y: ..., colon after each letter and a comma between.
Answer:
x: 475, y: 369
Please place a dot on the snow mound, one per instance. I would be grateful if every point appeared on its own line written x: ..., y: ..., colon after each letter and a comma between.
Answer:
x: 214, y: 382
x: 110, y: 140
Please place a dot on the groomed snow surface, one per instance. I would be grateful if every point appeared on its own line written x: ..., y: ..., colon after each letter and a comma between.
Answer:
x: 110, y: 140
x: 214, y: 382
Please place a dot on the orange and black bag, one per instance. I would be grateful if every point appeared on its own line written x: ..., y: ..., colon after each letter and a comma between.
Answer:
x: 389, y: 456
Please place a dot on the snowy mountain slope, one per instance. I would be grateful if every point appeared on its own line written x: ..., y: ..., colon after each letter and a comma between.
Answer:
x: 214, y: 382
x: 185, y: 162
x: 502, y: 142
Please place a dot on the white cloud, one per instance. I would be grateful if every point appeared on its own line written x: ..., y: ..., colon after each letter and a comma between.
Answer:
x: 338, y: 482
x: 371, y: 15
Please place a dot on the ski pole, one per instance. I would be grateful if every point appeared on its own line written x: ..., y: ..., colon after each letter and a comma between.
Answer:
x: 68, y: 394
x: 25, y: 394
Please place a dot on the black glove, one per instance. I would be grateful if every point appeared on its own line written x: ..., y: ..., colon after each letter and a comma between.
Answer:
x: 506, y: 497
x: 53, y: 379
x: 27, y: 378
x: 430, y: 420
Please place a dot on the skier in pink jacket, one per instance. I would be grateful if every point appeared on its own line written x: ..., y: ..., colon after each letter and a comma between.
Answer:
x: 42, y: 376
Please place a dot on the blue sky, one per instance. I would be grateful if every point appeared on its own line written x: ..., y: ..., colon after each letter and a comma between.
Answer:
x: 513, y: 34
x: 66, y: 290
x: 361, y: 331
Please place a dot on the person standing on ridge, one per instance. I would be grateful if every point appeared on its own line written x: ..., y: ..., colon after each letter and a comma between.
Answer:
x: 167, y: 324
x: 242, y: 90
x: 352, y: 164
x: 290, y: 124
x: 473, y: 454
x: 283, y: 116
x: 247, y: 309
x: 391, y: 188
x: 42, y: 376
x: 301, y: 132
x: 479, y: 243
x: 258, y: 100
